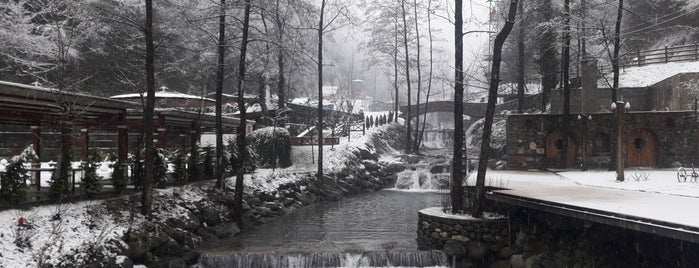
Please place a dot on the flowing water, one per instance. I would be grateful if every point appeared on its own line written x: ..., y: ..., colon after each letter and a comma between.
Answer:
x: 371, y: 230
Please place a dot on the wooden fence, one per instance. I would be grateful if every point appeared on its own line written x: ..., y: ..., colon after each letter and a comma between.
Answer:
x: 662, y: 55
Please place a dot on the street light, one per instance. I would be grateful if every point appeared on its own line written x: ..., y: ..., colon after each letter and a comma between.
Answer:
x: 620, y: 109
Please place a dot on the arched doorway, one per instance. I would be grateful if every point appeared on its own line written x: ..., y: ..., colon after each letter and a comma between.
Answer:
x: 641, y: 148
x: 554, y: 150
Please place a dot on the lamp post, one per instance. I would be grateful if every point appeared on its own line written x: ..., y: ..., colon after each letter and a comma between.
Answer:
x: 583, y: 119
x: 620, y: 109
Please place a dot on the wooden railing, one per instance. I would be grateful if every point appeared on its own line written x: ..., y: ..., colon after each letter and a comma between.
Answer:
x: 662, y: 55
x: 300, y: 141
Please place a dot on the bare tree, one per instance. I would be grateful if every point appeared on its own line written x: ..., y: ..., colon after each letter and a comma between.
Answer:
x: 240, y: 139
x: 416, y: 146
x: 408, y: 144
x: 147, y: 193
x: 479, y: 199
x: 220, y: 68
x: 457, y: 175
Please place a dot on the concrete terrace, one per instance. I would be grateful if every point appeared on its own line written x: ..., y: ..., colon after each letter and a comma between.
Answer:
x: 645, y: 206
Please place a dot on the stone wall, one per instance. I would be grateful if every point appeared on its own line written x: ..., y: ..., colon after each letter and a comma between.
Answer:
x: 676, y: 132
x: 484, y: 241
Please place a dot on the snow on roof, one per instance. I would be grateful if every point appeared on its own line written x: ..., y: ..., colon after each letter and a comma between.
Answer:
x: 649, y: 75
x: 161, y: 94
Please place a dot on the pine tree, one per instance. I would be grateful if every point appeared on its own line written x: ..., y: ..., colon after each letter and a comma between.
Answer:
x: 90, y: 184
x: 180, y: 174
x: 160, y: 171
x: 119, y: 178
x: 207, y: 165
x: 14, y: 189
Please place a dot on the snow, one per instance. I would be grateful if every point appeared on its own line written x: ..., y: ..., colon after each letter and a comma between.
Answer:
x: 161, y: 94
x: 649, y: 75
x: 660, y: 197
x: 51, y: 239
x: 438, y: 212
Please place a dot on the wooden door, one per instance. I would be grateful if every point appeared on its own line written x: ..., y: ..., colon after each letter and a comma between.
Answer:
x: 641, y: 148
x: 554, y: 150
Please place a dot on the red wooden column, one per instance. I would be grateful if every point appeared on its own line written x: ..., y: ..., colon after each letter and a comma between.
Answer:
x: 161, y: 138
x: 160, y: 135
x: 183, y: 140
x: 84, y: 142
x: 36, y: 163
x: 122, y: 143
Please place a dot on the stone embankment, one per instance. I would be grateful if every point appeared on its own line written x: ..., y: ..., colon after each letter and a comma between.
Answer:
x: 196, y: 215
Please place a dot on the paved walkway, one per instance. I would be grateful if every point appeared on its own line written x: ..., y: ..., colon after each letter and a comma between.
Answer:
x: 663, y: 214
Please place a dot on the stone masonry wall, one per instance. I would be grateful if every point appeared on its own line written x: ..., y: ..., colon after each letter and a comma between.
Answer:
x: 473, y: 240
x: 677, y: 136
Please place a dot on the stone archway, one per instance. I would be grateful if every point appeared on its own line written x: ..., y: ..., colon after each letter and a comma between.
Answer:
x: 641, y: 148
x: 554, y: 148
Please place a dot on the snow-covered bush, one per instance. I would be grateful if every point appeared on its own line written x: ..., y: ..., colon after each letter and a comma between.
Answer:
x: 234, y: 162
x: 119, y: 178
x: 193, y: 172
x: 13, y: 187
x: 179, y: 161
x: 90, y: 184
x: 273, y: 147
x: 160, y: 168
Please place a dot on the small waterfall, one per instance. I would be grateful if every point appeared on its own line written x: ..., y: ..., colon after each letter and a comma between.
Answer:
x: 325, y: 259
x: 419, y: 179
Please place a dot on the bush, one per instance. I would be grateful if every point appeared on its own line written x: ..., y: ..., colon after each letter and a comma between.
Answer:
x: 207, y: 164
x: 272, y: 146
x: 119, y: 178
x: 90, y: 184
x: 13, y: 182
x: 139, y: 170
x: 179, y: 161
x: 160, y: 169
x: 193, y: 165
x: 235, y: 162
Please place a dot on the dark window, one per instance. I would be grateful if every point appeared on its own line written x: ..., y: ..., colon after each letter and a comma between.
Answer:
x: 670, y: 122
x: 601, y: 144
x: 639, y: 143
x: 528, y: 125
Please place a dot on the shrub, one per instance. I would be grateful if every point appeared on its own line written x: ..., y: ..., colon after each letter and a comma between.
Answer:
x: 390, y: 117
x: 139, y: 170
x: 207, y: 164
x: 160, y: 168
x: 13, y: 183
x: 90, y: 184
x: 179, y: 161
x: 236, y: 164
x: 193, y: 164
x: 119, y: 178
x: 272, y: 146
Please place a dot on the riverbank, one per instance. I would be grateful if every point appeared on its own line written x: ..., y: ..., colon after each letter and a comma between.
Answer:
x: 113, y: 233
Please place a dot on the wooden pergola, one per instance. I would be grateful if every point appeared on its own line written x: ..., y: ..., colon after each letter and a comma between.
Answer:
x: 38, y: 107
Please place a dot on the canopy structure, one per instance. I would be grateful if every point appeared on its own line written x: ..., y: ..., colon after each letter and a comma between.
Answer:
x: 25, y: 110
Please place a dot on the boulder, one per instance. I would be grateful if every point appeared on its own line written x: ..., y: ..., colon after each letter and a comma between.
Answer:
x: 477, y: 250
x: 454, y: 248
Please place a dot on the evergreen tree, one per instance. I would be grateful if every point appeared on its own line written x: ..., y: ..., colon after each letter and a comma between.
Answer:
x: 90, y: 184
x: 180, y: 174
x: 390, y: 116
x: 14, y: 189
x: 119, y: 178
x: 207, y: 165
x: 193, y: 164
x: 160, y: 171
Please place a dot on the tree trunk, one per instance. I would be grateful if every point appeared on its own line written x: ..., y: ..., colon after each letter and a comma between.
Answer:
x: 520, y: 59
x: 395, y: 71
x: 457, y: 190
x: 416, y: 146
x: 479, y: 200
x: 148, y: 125
x: 408, y: 144
x: 566, y: 62
x: 429, y: 78
x: 615, y: 57
x: 319, y: 127
x: 548, y: 60
x: 240, y: 139
x: 220, y: 68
